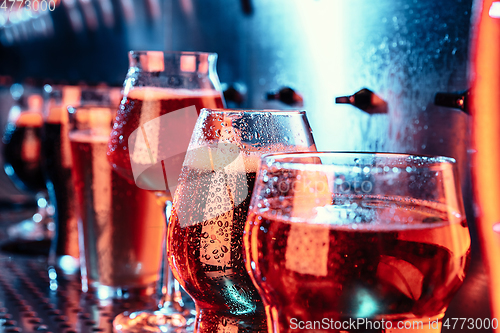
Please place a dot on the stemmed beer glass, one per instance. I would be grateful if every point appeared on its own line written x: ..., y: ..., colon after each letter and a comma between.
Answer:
x: 163, y: 94
x: 205, y: 235
x: 23, y: 163
x: 380, y: 240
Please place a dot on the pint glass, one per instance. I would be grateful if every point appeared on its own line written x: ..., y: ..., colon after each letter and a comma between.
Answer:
x: 121, y: 225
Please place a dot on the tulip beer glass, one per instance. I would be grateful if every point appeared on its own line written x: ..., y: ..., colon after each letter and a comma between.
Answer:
x: 356, y: 241
x: 205, y: 235
x: 163, y: 95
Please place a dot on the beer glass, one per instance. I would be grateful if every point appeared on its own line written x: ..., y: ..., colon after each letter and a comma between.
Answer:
x: 163, y: 95
x: 205, y: 235
x: 23, y: 160
x: 57, y: 165
x: 356, y: 241
x: 120, y: 225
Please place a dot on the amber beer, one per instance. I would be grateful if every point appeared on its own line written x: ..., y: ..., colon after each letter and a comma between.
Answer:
x: 206, y: 250
x: 146, y: 103
x: 377, y: 269
x: 122, y: 225
x: 21, y: 152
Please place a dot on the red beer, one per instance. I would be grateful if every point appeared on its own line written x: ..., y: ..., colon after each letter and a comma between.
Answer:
x: 143, y: 104
x: 378, y: 268
x: 208, y: 255
x: 121, y: 224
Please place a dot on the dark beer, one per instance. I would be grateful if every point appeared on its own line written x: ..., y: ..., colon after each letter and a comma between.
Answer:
x: 404, y: 260
x: 205, y: 248
x: 21, y: 152
x: 144, y: 104
x: 57, y: 165
x: 122, y: 225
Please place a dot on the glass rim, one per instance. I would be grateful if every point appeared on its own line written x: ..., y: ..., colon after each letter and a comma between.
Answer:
x: 131, y: 52
x: 254, y: 111
x: 427, y: 160
x: 89, y: 106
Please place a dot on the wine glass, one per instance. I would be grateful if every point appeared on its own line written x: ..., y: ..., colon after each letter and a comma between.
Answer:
x: 205, y: 234
x: 22, y: 163
x: 163, y: 94
x: 380, y: 240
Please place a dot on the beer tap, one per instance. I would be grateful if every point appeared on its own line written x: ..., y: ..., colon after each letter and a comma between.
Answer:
x: 287, y: 96
x: 234, y: 93
x: 365, y: 100
x: 246, y: 6
x: 457, y: 100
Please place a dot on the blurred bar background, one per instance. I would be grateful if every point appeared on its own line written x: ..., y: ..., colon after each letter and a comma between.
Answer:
x: 278, y: 54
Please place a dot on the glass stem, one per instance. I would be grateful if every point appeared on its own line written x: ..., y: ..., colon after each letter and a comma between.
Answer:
x: 169, y: 289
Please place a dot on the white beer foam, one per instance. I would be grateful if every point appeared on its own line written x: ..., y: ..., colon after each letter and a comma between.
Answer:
x: 155, y: 93
x: 30, y: 119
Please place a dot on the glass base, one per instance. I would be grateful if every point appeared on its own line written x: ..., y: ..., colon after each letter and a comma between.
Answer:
x: 167, y: 319
x: 34, y: 229
x: 103, y: 292
x: 210, y: 321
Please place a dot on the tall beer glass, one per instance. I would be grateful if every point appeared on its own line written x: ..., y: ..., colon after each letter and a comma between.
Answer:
x: 57, y: 164
x: 205, y: 236
x: 163, y: 95
x: 377, y: 240
x: 120, y: 224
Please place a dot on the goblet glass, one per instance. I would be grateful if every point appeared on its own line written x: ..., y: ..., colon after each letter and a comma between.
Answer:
x: 163, y: 94
x: 356, y: 241
x: 22, y: 163
x: 205, y: 234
